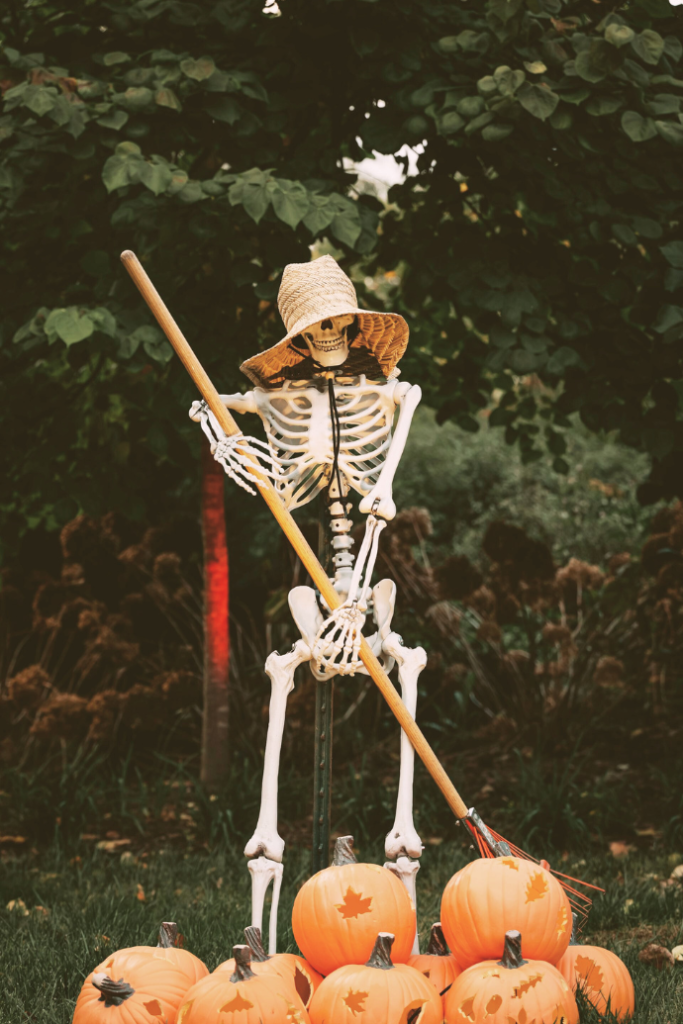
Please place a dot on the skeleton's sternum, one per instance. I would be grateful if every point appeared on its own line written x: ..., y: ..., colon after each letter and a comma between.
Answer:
x: 320, y: 430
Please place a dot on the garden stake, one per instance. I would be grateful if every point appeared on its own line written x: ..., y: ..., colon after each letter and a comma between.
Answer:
x: 489, y: 843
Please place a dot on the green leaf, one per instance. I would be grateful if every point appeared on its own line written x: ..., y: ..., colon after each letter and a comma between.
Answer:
x: 487, y: 86
x: 199, y: 70
x: 472, y: 42
x: 576, y: 96
x: 478, y: 122
x: 664, y: 103
x: 156, y: 176
x: 448, y: 44
x: 470, y: 106
x: 255, y: 201
x: 496, y: 132
x: 346, y: 228
x: 673, y: 279
x: 39, y: 99
x: 223, y: 108
x: 137, y: 97
x: 670, y: 131
x: 673, y: 48
x: 673, y: 254
x: 167, y: 98
x: 649, y: 46
x: 524, y: 362
x: 123, y: 168
x: 537, y: 100
x: 117, y: 57
x: 535, y: 67
x: 451, y: 122
x: 501, y: 338
x: 69, y: 324
x: 563, y: 358
x: 624, y: 234
x: 153, y: 342
x: 290, y: 203
x: 103, y: 319
x: 619, y: 35
x: 667, y: 317
x: 320, y: 214
x: 598, y: 106
x: 638, y: 128
x: 647, y: 227
x: 507, y: 80
x: 561, y: 120
x: 587, y: 69
x: 115, y: 120
x: 191, y: 193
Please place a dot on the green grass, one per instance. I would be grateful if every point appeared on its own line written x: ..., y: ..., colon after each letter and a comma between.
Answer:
x: 44, y: 959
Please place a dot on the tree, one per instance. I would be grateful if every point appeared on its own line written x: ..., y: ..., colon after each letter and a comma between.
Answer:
x: 540, y: 235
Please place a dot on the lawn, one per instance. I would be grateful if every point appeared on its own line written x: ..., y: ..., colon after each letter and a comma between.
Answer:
x: 76, y: 909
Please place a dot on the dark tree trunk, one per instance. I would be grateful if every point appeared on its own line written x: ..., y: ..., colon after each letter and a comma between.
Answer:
x: 214, y: 767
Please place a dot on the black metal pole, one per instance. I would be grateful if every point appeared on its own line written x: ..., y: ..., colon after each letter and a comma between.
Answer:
x: 322, y: 774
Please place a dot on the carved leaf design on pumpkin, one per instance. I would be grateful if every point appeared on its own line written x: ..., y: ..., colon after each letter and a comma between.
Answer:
x: 562, y: 921
x: 589, y: 973
x: 153, y: 1007
x: 355, y: 1001
x: 354, y: 904
x: 525, y: 985
x: 523, y: 1018
x: 467, y: 1008
x: 537, y: 887
x: 413, y: 1012
x: 510, y: 862
x: 238, y: 1003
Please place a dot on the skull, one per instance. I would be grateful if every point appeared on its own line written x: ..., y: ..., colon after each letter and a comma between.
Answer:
x: 328, y: 340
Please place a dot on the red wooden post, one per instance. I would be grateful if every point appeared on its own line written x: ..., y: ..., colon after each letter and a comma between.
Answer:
x: 215, y: 755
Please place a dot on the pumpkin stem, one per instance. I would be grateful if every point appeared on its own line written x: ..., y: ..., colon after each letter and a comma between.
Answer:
x: 437, y: 942
x: 381, y: 953
x: 253, y: 937
x: 574, y: 938
x: 243, y: 971
x: 343, y: 852
x: 113, y: 993
x: 512, y: 954
x: 168, y: 935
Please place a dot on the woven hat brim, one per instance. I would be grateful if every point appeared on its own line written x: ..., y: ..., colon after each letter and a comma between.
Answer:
x: 385, y: 335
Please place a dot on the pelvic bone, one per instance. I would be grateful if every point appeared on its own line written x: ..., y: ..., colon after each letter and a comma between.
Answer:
x: 328, y: 340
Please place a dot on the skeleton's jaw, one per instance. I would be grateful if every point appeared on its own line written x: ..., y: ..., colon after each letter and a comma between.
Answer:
x: 332, y: 353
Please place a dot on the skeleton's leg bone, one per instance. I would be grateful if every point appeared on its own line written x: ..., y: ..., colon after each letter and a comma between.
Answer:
x: 262, y: 872
x: 272, y: 927
x: 406, y: 869
x: 280, y: 668
x: 403, y: 839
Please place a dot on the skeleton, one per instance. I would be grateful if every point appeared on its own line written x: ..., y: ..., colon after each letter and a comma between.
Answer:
x: 335, y: 433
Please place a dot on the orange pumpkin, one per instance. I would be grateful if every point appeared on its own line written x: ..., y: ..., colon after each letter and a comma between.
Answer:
x: 294, y: 969
x: 490, y: 896
x: 602, y: 977
x: 242, y: 997
x: 141, y: 983
x: 437, y: 964
x: 376, y: 992
x: 339, y: 912
x: 510, y: 990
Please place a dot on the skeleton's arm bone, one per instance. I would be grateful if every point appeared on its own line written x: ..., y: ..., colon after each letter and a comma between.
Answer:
x: 239, y: 402
x: 408, y: 401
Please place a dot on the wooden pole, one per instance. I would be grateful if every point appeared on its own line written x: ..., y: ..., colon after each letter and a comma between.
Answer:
x: 294, y: 534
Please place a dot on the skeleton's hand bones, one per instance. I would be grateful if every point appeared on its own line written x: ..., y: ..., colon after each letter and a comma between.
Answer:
x: 340, y: 634
x: 237, y: 453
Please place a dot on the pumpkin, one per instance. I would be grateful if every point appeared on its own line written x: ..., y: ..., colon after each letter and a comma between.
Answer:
x: 600, y: 974
x: 141, y: 984
x: 376, y: 992
x: 510, y: 991
x: 242, y: 997
x: 339, y: 912
x: 490, y: 896
x: 292, y: 968
x: 437, y: 964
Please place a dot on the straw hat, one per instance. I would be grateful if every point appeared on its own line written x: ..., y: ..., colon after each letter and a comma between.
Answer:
x: 310, y: 292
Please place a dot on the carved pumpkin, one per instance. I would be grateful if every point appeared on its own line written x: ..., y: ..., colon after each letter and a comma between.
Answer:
x: 602, y: 977
x: 437, y: 964
x: 294, y: 969
x: 490, y: 896
x: 142, y: 983
x: 377, y: 992
x: 510, y: 991
x: 339, y: 912
x: 242, y: 997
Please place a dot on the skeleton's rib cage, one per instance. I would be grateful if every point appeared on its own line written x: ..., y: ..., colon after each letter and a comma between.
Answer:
x: 299, y: 432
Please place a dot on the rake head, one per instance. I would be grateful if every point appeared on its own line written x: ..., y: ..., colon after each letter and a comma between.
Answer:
x: 490, y: 844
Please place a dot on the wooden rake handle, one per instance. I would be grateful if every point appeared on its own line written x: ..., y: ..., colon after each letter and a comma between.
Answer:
x: 294, y: 534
